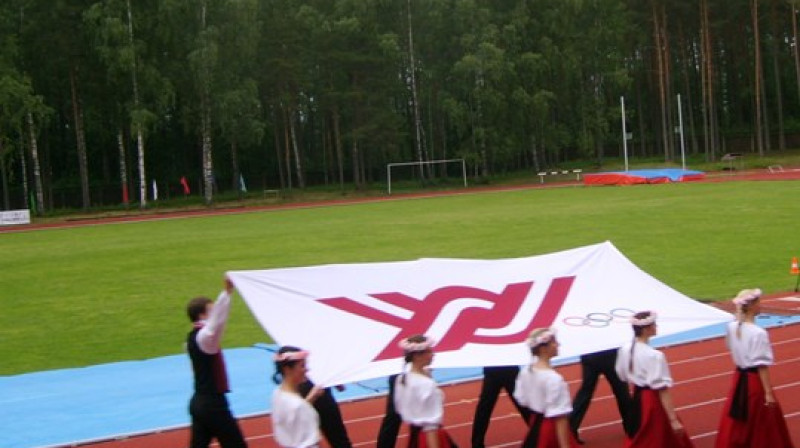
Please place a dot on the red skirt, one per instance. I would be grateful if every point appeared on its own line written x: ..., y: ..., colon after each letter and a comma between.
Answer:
x: 547, y: 436
x: 419, y: 438
x: 764, y: 426
x: 655, y: 430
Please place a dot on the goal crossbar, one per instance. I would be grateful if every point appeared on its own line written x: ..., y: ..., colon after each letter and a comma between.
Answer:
x: 389, y: 167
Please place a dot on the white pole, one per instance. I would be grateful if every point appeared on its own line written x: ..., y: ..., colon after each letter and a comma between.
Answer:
x: 389, y: 178
x: 464, y: 171
x: 624, y: 133
x: 680, y: 124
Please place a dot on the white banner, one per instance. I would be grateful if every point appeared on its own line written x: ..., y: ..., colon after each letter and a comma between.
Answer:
x: 15, y: 217
x: 352, y: 316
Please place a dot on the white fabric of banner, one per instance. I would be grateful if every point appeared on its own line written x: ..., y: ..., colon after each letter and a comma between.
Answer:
x: 351, y: 316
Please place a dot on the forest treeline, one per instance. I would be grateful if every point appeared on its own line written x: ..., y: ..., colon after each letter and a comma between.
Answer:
x: 100, y: 99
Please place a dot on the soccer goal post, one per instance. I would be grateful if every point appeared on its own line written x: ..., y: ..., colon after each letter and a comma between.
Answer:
x: 389, y: 167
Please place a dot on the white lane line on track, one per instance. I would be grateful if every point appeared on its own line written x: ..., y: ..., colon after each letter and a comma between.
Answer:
x: 786, y: 416
x: 585, y: 428
x: 709, y: 356
x: 600, y: 398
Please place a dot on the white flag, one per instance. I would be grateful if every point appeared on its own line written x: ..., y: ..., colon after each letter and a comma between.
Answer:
x: 351, y: 317
x: 155, y: 190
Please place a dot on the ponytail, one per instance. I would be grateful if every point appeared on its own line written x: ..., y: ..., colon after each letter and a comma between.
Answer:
x: 639, y: 322
x: 630, y: 361
x: 407, y: 360
x: 742, y: 310
x: 743, y: 302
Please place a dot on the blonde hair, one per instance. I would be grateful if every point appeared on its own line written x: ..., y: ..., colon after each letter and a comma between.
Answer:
x: 538, y: 338
x: 744, y: 301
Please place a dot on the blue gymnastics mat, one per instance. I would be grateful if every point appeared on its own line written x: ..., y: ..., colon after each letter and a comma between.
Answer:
x: 72, y: 406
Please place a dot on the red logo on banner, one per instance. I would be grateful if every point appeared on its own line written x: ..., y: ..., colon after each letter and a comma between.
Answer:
x: 504, y: 307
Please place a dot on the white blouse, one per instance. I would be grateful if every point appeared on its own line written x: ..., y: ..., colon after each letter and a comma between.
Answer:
x: 294, y: 421
x: 752, y: 349
x: 650, y: 367
x: 543, y: 391
x: 419, y: 401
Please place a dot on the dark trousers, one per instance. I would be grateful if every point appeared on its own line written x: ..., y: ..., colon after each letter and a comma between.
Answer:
x: 390, y: 425
x: 330, y: 417
x: 212, y: 418
x: 592, y: 366
x: 495, y: 379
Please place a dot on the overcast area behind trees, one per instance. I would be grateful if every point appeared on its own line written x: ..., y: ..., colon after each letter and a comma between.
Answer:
x: 99, y: 99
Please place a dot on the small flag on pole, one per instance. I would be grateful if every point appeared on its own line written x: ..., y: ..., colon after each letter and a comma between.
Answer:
x: 125, y: 198
x: 242, y: 186
x: 186, y: 190
x: 155, y: 190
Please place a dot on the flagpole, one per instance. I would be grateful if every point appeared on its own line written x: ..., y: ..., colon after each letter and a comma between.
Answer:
x: 680, y: 124
x: 624, y: 133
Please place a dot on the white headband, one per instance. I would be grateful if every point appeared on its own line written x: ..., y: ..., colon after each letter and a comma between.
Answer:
x: 542, y: 338
x: 746, y: 296
x: 414, y: 347
x: 291, y: 356
x: 644, y: 322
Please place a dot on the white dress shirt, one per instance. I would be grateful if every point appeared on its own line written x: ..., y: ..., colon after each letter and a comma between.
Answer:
x: 210, y: 335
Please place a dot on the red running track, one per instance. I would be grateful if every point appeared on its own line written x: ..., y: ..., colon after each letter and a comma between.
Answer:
x: 702, y: 372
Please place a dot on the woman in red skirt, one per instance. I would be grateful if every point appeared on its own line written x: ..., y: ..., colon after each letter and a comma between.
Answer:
x: 652, y: 421
x: 417, y: 397
x: 752, y: 418
x: 543, y: 390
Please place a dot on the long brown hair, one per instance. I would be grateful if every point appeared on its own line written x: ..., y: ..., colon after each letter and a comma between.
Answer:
x: 637, y: 331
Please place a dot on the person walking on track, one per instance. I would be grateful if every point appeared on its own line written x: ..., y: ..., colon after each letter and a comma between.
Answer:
x: 752, y: 417
x: 652, y: 420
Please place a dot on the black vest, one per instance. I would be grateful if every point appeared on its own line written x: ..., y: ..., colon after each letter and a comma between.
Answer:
x: 210, y: 376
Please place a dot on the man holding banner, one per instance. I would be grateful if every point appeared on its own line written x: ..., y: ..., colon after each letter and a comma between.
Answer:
x: 211, y: 415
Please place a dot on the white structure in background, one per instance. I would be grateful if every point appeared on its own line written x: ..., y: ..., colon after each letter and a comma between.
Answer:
x: 389, y: 167
x: 15, y: 217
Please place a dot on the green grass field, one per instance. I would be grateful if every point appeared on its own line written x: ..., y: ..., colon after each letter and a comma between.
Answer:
x: 88, y: 295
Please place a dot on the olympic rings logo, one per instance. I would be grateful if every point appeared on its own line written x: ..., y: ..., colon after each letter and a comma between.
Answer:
x: 600, y: 320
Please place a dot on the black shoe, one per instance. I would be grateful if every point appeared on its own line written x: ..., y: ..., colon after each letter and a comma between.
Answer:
x: 578, y: 438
